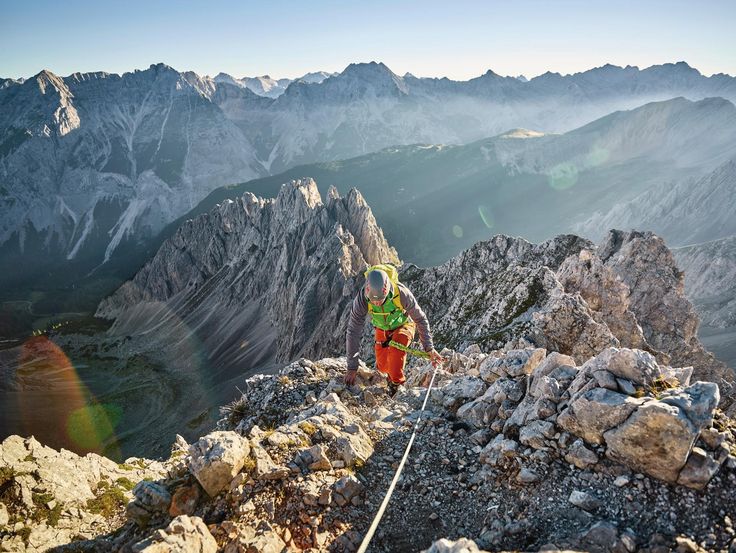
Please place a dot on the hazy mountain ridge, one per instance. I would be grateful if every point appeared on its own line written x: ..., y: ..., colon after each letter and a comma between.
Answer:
x: 710, y: 279
x: 94, y: 162
x: 499, y: 291
x: 269, y: 87
x: 523, y: 182
x: 688, y: 211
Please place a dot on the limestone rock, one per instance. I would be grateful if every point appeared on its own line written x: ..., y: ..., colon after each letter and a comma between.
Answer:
x: 265, y: 468
x: 460, y: 391
x: 345, y: 489
x: 580, y: 456
x: 216, y: 458
x: 463, y: 545
x: 306, y: 296
x: 536, y: 433
x: 151, y: 498
x: 184, y: 500
x: 698, y: 470
x: 655, y: 439
x: 596, y: 411
x: 184, y: 534
x: 584, y: 500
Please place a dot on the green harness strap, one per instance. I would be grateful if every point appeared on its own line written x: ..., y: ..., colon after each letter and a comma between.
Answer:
x: 407, y: 349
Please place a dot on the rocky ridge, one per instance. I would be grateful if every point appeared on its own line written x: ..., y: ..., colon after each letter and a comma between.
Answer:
x: 710, y: 277
x: 519, y: 449
x: 271, y: 277
x: 306, y: 257
x: 576, y: 408
x: 568, y: 295
x: 93, y: 161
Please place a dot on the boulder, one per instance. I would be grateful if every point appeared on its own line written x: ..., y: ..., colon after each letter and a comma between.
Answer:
x: 584, y: 500
x: 184, y: 534
x: 265, y: 468
x: 699, y: 469
x: 151, y: 499
x: 536, y: 433
x: 596, y: 411
x: 185, y: 500
x: 316, y: 458
x: 655, y: 439
x: 216, y: 458
x: 580, y: 456
x: 463, y: 545
x: 697, y: 402
x: 345, y: 489
x: 499, y: 451
x: 516, y: 362
x: 353, y: 447
x: 460, y: 391
x: 478, y: 413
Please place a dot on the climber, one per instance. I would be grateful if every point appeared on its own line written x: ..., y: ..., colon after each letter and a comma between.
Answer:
x: 395, y: 314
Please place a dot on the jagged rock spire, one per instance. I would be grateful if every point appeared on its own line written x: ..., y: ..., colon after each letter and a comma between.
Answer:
x: 279, y: 272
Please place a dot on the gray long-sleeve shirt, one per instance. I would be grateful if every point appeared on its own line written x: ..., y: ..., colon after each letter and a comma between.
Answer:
x: 359, y: 311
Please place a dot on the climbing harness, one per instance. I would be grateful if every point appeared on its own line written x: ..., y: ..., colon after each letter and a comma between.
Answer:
x: 374, y: 525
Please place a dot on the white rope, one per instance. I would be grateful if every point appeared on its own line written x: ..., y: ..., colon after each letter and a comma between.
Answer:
x: 382, y: 508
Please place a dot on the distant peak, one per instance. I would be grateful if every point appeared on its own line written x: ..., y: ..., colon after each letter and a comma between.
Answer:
x: 46, y: 78
x: 366, y: 67
x: 46, y: 74
x: 521, y: 133
x: 161, y: 67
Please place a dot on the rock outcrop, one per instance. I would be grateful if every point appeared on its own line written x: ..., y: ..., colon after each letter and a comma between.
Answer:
x: 609, y: 454
x: 49, y: 498
x: 710, y: 280
x: 570, y: 296
x: 269, y: 278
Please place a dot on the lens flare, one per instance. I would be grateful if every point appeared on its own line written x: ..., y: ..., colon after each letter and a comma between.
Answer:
x: 563, y: 176
x: 93, y: 425
x: 457, y: 230
x: 486, y: 215
x: 56, y: 407
x: 597, y: 156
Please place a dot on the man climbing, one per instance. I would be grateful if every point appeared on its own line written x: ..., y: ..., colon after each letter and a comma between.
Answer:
x: 395, y: 314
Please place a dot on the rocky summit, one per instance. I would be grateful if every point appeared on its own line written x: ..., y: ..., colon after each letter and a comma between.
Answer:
x: 575, y: 409
x: 517, y: 449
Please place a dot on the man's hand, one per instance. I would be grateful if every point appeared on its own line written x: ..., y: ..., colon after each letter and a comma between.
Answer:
x: 435, y: 358
x: 350, y: 377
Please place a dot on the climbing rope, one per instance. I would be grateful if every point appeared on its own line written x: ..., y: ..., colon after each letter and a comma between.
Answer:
x: 382, y: 508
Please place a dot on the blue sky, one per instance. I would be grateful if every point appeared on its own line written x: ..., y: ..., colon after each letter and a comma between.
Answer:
x: 458, y: 39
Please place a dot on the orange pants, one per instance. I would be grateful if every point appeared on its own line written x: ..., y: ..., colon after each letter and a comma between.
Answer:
x: 390, y: 360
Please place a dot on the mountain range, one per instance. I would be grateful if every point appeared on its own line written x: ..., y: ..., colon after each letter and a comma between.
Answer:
x: 94, y: 162
x: 435, y: 200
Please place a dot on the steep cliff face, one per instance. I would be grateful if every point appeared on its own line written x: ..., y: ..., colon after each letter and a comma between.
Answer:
x: 683, y: 212
x: 710, y: 279
x: 93, y: 160
x: 568, y: 295
x: 257, y: 277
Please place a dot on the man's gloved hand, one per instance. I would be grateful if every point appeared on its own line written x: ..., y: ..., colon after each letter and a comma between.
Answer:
x: 350, y: 377
x: 435, y: 358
